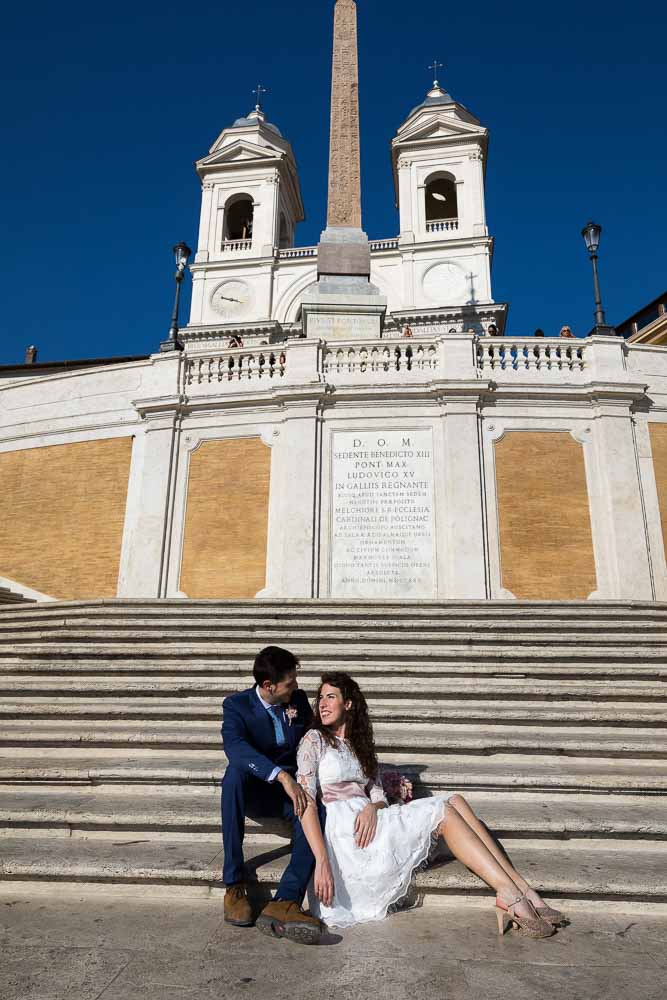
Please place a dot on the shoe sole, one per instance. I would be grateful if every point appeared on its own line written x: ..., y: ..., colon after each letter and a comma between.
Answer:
x: 299, y: 933
x: 239, y: 923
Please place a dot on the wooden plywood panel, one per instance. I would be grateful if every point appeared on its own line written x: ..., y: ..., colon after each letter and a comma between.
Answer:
x: 546, y: 542
x: 658, y: 433
x: 62, y: 511
x: 226, y: 520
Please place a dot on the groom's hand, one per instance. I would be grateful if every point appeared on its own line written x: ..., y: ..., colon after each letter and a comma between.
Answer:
x: 300, y: 798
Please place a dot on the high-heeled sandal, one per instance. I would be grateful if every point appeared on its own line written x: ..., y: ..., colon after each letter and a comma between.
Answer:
x: 531, y: 926
x: 553, y: 917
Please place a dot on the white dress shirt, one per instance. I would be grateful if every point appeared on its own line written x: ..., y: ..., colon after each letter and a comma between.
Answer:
x: 276, y: 771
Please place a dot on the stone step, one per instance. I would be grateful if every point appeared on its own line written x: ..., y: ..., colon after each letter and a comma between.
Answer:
x: 239, y: 670
x: 585, y: 869
x: 432, y: 738
x: 383, y: 641
x: 295, y: 608
x: 536, y: 772
x: 384, y: 687
x: 349, y: 623
x: 188, y: 707
x: 10, y: 597
x: 157, y: 809
x: 351, y: 656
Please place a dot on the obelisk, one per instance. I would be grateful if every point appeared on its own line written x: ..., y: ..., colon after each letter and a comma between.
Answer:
x: 344, y: 207
x: 344, y: 305
x: 343, y: 249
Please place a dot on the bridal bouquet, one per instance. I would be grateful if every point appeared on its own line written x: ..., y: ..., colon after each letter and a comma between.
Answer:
x: 396, y: 787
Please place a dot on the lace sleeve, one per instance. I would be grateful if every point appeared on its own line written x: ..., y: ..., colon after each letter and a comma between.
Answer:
x: 376, y: 791
x: 308, y: 758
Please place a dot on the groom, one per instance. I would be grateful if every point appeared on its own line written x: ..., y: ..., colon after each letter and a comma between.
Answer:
x: 261, y: 731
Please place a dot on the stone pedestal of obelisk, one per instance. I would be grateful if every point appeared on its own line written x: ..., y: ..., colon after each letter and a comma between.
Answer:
x: 344, y: 305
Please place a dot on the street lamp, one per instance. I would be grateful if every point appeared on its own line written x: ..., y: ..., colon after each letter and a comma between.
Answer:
x: 591, y: 234
x: 182, y: 254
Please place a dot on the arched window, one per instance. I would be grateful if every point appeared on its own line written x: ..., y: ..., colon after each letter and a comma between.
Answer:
x: 284, y: 239
x: 441, y: 201
x: 239, y: 214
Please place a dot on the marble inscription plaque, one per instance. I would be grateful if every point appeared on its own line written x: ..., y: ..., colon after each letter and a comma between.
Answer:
x: 382, y: 520
x: 342, y: 327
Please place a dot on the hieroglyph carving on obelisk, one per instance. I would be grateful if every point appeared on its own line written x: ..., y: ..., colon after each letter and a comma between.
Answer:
x: 344, y: 207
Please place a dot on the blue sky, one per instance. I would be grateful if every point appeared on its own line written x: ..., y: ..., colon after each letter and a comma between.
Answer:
x: 107, y: 106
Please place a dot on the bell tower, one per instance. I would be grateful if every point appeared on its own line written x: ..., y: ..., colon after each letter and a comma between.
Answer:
x: 251, y: 198
x: 251, y: 205
x: 439, y: 157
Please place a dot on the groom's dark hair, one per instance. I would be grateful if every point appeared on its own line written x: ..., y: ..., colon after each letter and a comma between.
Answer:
x: 272, y: 664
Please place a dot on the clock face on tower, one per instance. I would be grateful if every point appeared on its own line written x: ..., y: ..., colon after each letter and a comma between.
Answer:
x: 231, y: 299
x: 445, y: 284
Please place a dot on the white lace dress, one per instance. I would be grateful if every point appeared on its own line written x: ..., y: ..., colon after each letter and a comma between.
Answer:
x: 367, y: 881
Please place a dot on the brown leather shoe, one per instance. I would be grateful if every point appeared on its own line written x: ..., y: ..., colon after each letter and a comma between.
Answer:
x: 285, y: 918
x: 237, y: 906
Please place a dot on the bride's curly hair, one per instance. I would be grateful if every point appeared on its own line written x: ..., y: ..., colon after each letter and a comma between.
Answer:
x: 358, y: 726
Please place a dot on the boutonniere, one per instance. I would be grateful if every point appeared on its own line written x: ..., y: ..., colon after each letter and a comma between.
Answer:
x: 291, y: 712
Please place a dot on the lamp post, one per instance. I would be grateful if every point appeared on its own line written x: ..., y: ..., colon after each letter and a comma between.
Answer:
x: 182, y: 254
x: 591, y: 234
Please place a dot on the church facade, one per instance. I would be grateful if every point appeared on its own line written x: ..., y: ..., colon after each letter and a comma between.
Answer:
x: 342, y: 421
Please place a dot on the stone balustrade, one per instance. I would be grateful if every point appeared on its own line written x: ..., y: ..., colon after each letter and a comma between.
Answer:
x: 548, y: 356
x: 377, y: 246
x: 442, y: 226
x: 233, y: 366
x: 212, y: 369
x: 298, y: 253
x: 236, y: 246
x: 383, y: 360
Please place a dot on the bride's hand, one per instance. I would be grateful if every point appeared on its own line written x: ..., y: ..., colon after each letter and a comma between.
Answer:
x: 365, y: 826
x: 324, y: 883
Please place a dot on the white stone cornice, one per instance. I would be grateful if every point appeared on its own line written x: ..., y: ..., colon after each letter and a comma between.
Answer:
x: 542, y: 393
x: 156, y: 407
x: 210, y: 337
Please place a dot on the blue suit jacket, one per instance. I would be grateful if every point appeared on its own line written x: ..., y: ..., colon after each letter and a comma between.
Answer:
x: 249, y: 737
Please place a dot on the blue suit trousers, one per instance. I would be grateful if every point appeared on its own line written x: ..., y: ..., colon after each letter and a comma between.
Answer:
x: 244, y: 795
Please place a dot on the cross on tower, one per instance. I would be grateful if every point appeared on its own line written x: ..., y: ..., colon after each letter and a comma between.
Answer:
x: 258, y: 91
x: 435, y: 66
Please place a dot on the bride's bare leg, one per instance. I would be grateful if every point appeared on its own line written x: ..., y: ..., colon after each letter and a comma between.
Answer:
x: 465, y: 845
x: 465, y: 811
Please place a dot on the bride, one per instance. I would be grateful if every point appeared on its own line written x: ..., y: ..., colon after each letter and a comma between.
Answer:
x: 369, y: 851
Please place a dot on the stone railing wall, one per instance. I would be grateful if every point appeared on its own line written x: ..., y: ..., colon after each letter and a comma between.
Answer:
x: 530, y: 354
x: 440, y: 358
x: 236, y: 246
x: 234, y: 365
x: 382, y: 360
x: 443, y: 226
x: 377, y: 246
x: 298, y: 253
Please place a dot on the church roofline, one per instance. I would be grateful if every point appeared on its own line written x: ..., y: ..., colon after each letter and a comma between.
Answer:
x: 439, y: 98
x: 52, y: 367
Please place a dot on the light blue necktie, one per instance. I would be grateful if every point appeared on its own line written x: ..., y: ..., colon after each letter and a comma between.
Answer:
x: 275, y: 712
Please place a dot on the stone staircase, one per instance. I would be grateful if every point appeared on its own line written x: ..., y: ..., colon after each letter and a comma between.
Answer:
x: 550, y: 717
x: 8, y: 596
